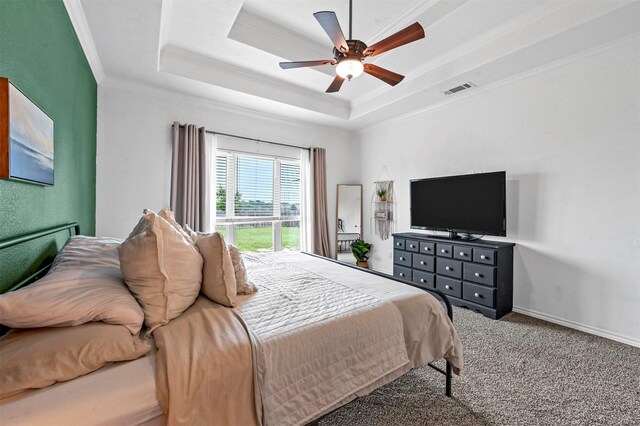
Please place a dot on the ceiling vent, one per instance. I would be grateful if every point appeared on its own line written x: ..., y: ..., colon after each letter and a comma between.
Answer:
x: 465, y: 86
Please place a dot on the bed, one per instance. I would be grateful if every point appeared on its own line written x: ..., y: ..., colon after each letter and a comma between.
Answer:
x: 307, y: 358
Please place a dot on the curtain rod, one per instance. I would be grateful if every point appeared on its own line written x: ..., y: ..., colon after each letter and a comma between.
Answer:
x: 252, y: 139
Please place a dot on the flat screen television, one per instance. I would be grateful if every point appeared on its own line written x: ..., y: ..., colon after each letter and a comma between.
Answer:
x: 471, y: 204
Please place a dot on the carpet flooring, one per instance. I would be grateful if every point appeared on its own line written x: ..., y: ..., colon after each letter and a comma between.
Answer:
x: 518, y: 371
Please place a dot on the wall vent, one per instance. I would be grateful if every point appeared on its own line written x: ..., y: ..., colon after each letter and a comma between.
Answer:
x: 465, y: 86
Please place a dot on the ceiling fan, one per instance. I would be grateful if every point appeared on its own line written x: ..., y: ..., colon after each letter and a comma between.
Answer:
x: 349, y: 54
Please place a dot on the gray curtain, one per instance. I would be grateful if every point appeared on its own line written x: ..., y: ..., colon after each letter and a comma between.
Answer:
x: 320, y: 222
x: 188, y: 183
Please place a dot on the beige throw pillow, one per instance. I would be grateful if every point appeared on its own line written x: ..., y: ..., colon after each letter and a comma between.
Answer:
x: 162, y: 269
x: 243, y: 284
x: 37, y: 358
x: 170, y: 217
x: 218, y: 276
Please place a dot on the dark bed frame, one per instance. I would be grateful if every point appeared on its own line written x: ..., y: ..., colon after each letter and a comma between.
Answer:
x: 74, y: 229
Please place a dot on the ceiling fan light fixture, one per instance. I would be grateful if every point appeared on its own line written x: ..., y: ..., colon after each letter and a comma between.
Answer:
x: 349, y: 68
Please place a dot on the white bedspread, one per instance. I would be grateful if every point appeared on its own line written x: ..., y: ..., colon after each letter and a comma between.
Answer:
x: 317, y: 341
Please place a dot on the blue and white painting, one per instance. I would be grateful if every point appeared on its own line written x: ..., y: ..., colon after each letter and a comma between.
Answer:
x: 31, y: 140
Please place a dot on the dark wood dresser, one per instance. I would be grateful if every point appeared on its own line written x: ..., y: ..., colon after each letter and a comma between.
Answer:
x: 477, y: 274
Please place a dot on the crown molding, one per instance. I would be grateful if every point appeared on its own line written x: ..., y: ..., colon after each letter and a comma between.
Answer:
x: 470, y: 46
x: 513, y: 36
x: 209, y: 70
x: 134, y: 86
x: 165, y: 27
x: 631, y: 40
x: 81, y: 27
x: 409, y: 16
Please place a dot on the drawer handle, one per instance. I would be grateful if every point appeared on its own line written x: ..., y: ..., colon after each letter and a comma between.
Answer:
x: 421, y: 280
x: 447, y: 287
x: 448, y: 268
x: 401, y: 258
x: 477, y: 274
x: 483, y: 257
x: 410, y: 245
x: 401, y: 274
x: 398, y: 244
x: 422, y: 262
x: 427, y: 249
x: 476, y: 295
x: 462, y: 253
x: 443, y: 250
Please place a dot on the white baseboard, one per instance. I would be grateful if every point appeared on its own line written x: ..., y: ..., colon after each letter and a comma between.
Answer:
x: 576, y: 326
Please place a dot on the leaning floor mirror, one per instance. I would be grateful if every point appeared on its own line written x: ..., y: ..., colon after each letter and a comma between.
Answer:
x: 348, y: 220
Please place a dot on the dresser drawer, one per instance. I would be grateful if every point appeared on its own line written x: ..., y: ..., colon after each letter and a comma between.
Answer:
x: 479, y: 294
x: 452, y: 268
x: 398, y: 243
x: 424, y: 279
x: 462, y: 252
x: 444, y: 250
x: 480, y: 274
x: 485, y: 256
x: 427, y: 247
x: 402, y: 273
x: 402, y: 257
x: 449, y: 286
x: 412, y: 245
x: 422, y: 261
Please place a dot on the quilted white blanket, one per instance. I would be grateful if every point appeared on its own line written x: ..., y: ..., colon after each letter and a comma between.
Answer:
x: 316, y: 341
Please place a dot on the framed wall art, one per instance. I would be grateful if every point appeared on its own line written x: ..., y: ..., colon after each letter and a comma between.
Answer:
x: 26, y: 137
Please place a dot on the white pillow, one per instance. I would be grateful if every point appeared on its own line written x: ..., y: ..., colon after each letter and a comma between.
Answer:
x: 161, y: 268
x: 243, y: 284
x: 85, y: 285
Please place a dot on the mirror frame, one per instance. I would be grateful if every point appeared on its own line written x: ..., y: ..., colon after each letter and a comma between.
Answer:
x: 338, y: 207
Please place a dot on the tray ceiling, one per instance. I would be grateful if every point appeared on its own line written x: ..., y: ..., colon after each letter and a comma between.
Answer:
x: 227, y: 51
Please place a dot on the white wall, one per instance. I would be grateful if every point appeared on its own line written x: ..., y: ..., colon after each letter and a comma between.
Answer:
x: 134, y: 149
x: 568, y: 137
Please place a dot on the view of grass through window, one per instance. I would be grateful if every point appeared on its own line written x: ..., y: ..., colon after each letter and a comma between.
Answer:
x: 264, y: 214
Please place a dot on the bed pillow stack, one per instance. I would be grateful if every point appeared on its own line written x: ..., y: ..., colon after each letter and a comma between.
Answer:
x: 243, y: 285
x: 84, y: 284
x: 162, y: 268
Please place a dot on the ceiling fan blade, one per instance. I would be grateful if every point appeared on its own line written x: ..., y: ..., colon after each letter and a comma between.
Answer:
x: 335, y: 84
x: 412, y: 33
x: 331, y: 26
x: 385, y: 75
x: 300, y: 64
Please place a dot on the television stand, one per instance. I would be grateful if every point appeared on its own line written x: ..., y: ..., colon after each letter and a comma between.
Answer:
x: 477, y: 275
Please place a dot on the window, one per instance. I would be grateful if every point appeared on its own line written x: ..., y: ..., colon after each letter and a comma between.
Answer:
x: 258, y: 201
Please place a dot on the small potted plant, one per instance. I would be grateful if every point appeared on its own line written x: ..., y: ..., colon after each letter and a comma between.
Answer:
x: 361, y: 251
x: 382, y: 195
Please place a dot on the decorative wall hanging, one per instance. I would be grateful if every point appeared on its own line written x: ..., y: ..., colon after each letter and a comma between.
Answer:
x: 26, y: 138
x: 382, y: 208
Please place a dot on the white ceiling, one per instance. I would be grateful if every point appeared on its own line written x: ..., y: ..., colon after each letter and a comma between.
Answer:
x: 227, y: 51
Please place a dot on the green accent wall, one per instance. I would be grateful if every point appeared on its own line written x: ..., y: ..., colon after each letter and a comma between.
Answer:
x: 40, y: 53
